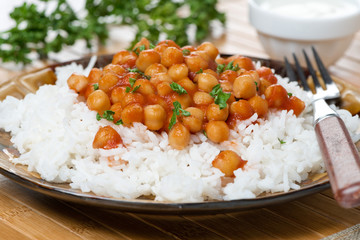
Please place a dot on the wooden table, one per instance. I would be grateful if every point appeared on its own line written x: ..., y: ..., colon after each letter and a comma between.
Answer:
x: 25, y: 214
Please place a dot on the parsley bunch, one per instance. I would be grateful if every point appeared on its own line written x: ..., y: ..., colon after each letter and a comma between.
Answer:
x: 37, y: 31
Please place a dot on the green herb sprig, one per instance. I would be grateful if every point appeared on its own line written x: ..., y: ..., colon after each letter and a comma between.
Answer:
x: 135, y: 70
x: 177, y: 111
x: 230, y: 66
x: 108, y: 115
x: 132, y: 82
x: 220, y: 97
x: 178, y: 88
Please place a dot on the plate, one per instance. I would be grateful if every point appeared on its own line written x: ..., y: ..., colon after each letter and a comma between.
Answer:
x: 29, y: 82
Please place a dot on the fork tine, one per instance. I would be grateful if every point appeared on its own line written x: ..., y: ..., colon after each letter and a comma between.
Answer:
x: 312, y: 72
x: 324, y: 73
x: 301, y: 74
x: 290, y: 71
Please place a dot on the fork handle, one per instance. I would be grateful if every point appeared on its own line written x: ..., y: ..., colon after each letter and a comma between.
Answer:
x: 341, y: 159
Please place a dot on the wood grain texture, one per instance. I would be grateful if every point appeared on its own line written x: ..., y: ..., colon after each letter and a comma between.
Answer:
x: 25, y: 214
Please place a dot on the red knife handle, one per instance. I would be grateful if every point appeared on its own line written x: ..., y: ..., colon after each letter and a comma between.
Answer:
x: 341, y: 159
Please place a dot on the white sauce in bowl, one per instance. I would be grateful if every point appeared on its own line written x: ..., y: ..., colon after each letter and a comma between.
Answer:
x: 311, y: 8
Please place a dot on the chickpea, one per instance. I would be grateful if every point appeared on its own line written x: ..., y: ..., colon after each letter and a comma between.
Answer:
x: 207, y: 71
x: 259, y: 105
x: 221, y: 60
x: 146, y: 58
x: 184, y: 99
x: 117, y: 109
x: 117, y: 69
x: 144, y: 42
x: 132, y: 98
x: 160, y: 48
x: 202, y: 98
x: 212, y: 72
x: 160, y: 77
x: 154, y: 117
x: 206, y: 82
x: 107, y: 138
x: 153, y: 99
x: 195, y: 62
x: 117, y: 94
x: 264, y: 84
x: 94, y: 75
x: 124, y: 57
x: 242, y: 109
x: 276, y: 96
x: 229, y: 75
x: 266, y: 73
x: 214, y: 112
x: 178, y: 71
x: 77, y: 82
x: 88, y: 90
x: 169, y: 43
x: 193, y: 122
x: 146, y: 88
x: 188, y: 47
x: 155, y: 68
x: 255, y: 76
x: 107, y: 81
x: 171, y: 56
x: 244, y: 87
x: 245, y: 63
x: 98, y: 101
x: 179, y: 136
x: 209, y: 48
x: 188, y: 85
x: 163, y: 88
x: 227, y: 162
x: 133, y: 112
x: 295, y: 104
x: 226, y: 86
x: 217, y: 131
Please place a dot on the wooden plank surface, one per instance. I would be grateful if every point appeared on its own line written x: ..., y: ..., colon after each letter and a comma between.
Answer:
x: 25, y: 214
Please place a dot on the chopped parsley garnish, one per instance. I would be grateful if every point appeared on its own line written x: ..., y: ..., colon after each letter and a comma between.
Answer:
x: 96, y: 86
x: 230, y: 66
x: 152, y: 46
x: 204, y: 132
x: 186, y: 52
x: 257, y: 87
x: 177, y: 88
x: 200, y: 71
x: 128, y: 89
x: 108, y: 115
x: 137, y: 50
x: 119, y: 122
x: 290, y: 94
x: 176, y: 112
x: 220, y: 68
x: 132, y: 81
x: 135, y: 70
x: 135, y: 88
x: 281, y: 141
x: 219, y: 96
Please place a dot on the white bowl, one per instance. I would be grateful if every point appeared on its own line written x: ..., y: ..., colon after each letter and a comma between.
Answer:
x: 289, y: 26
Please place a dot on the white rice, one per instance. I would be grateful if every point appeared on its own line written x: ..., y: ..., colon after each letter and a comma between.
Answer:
x: 54, y: 132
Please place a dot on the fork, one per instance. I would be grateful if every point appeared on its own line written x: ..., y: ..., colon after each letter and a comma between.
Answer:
x: 342, y: 160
